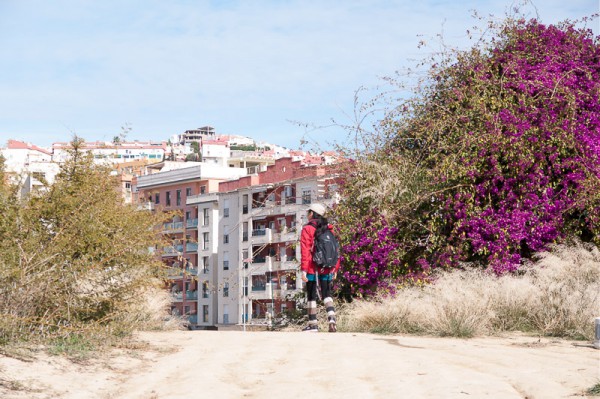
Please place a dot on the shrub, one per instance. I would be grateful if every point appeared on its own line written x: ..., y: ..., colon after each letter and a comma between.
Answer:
x: 74, y: 260
x: 493, y: 159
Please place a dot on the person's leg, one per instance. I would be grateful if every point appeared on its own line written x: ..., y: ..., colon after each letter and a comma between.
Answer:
x: 326, y: 289
x: 311, y: 305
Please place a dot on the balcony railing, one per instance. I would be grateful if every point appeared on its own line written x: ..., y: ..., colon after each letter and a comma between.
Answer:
x: 193, y: 318
x: 191, y: 247
x: 259, y: 232
x: 173, y: 226
x: 191, y: 295
x: 178, y: 272
x: 172, y: 250
x: 191, y: 223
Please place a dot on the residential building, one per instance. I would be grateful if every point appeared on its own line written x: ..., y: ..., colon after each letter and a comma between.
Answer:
x: 106, y: 152
x: 170, y: 189
x: 29, y: 166
x: 259, y: 220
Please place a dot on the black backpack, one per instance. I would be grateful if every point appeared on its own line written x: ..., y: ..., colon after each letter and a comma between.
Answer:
x: 326, y: 250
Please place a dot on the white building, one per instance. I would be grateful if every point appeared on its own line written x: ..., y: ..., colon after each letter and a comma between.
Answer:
x: 106, y: 152
x: 29, y: 166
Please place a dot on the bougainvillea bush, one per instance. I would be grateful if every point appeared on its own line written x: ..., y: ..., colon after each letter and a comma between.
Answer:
x: 496, y: 157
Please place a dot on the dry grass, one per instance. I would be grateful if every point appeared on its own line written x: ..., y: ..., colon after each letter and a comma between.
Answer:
x: 151, y: 312
x: 559, y: 295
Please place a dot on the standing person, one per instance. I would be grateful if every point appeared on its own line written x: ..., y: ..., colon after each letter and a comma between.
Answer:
x: 317, y: 223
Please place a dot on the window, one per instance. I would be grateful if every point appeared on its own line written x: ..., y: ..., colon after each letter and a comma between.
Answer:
x: 245, y: 286
x: 225, y: 314
x: 226, y: 208
x: 225, y: 290
x: 205, y: 289
x: 245, y: 231
x: 205, y: 313
x: 245, y: 204
x: 259, y: 283
x: 225, y: 260
x: 306, y: 197
x: 204, y: 240
x: 188, y: 191
x: 157, y: 198
x: 289, y: 195
x: 205, y: 213
x: 205, y: 268
x: 168, y: 199
x: 188, y: 215
x: 202, y: 189
x: 178, y: 197
x: 225, y: 234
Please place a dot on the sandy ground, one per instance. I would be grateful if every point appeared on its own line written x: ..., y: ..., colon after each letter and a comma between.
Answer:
x: 211, y: 364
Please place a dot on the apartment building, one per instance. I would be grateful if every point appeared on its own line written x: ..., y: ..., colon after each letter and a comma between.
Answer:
x: 106, y: 152
x: 170, y: 190
x: 260, y: 216
x: 28, y: 165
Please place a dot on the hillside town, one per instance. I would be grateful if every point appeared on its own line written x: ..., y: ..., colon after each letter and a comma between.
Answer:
x: 232, y: 261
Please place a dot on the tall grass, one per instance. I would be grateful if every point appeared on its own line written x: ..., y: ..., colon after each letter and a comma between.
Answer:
x: 557, y: 295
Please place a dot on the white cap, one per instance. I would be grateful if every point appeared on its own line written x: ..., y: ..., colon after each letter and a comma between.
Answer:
x: 318, y: 209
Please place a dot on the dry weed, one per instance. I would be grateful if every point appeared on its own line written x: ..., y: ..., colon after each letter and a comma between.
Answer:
x: 558, y: 295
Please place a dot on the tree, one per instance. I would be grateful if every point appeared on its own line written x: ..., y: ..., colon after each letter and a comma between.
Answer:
x: 74, y: 258
x: 493, y: 159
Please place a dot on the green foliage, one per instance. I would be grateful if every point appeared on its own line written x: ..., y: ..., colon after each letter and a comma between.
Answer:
x: 74, y: 257
x: 243, y: 147
x: 195, y: 147
x: 595, y: 390
x: 193, y: 158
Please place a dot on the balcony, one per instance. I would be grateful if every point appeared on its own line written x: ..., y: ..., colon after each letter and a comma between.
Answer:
x: 191, y: 295
x: 146, y: 206
x: 261, y: 236
x: 177, y: 272
x: 173, y: 227
x: 177, y: 296
x: 191, y: 224
x: 286, y: 234
x: 172, y: 250
x: 271, y: 208
x: 262, y: 292
x: 191, y: 247
x: 262, y: 264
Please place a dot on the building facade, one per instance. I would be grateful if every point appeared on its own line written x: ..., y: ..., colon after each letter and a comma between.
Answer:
x: 254, y: 274
x: 187, y: 232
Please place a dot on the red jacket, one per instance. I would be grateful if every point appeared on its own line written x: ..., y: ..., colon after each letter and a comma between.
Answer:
x: 307, y: 238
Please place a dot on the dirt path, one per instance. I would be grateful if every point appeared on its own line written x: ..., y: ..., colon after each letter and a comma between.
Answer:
x: 208, y: 364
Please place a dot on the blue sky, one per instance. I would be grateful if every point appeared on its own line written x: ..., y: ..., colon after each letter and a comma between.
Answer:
x: 243, y: 67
